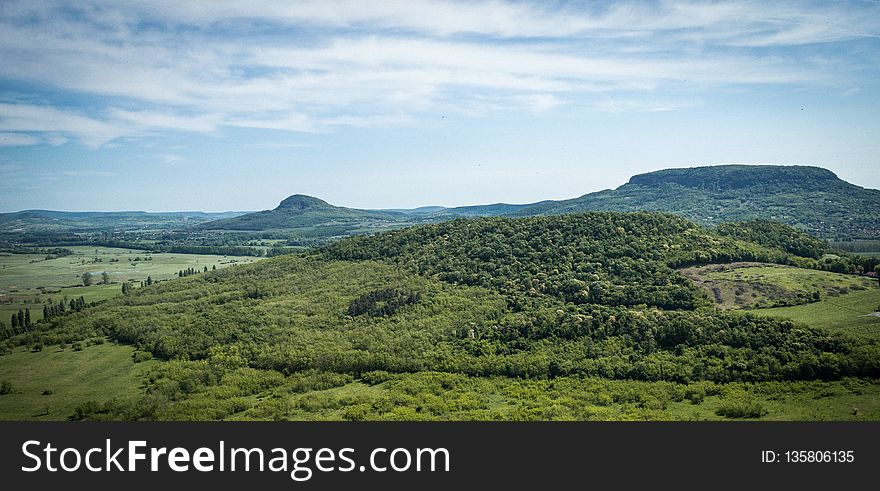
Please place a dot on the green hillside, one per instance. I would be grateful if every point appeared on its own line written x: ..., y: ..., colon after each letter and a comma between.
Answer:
x: 470, y: 319
x: 810, y: 198
x: 300, y: 211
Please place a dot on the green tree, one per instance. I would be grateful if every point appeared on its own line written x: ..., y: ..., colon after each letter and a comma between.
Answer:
x: 27, y: 318
x: 877, y: 270
x: 87, y: 278
x: 105, y: 278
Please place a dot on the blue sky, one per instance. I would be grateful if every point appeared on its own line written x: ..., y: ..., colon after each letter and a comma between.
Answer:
x: 234, y: 105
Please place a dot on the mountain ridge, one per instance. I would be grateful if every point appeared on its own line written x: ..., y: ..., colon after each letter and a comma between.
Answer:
x: 810, y: 198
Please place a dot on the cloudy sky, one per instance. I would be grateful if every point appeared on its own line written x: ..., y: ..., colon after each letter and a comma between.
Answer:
x: 235, y: 104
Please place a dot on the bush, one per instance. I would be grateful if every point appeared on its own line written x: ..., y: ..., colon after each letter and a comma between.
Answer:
x: 48, y: 392
x: 77, y: 347
x: 376, y: 377
x: 740, y: 405
x: 5, y: 387
x: 141, y: 356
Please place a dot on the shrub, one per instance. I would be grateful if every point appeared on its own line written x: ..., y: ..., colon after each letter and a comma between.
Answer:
x: 5, y: 387
x: 740, y: 405
x: 140, y: 356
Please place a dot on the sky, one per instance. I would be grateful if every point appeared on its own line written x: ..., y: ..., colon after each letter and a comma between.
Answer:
x: 221, y: 105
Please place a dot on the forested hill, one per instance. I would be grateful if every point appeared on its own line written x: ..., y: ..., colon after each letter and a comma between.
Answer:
x: 599, y: 258
x: 495, y: 300
x: 299, y: 211
x: 810, y: 198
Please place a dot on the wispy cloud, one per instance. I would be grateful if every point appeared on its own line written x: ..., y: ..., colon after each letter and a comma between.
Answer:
x: 169, y: 158
x: 18, y: 140
x: 88, y: 173
x: 611, y: 105
x: 198, y: 66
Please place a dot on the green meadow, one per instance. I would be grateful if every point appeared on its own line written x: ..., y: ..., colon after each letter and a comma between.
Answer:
x: 757, y: 285
x: 31, y: 280
x: 850, y: 314
x: 50, y: 384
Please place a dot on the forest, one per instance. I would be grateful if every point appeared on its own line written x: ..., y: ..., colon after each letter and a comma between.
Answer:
x: 580, y: 298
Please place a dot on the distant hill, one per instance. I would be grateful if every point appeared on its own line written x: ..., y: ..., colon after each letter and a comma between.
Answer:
x: 300, y: 211
x: 810, y: 198
x: 33, y: 221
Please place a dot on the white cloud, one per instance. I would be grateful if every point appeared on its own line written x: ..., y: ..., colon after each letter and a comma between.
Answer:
x: 611, y: 105
x: 18, y: 140
x: 47, y: 119
x: 200, y: 65
x: 88, y: 173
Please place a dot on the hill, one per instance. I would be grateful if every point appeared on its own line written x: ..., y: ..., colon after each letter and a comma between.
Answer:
x: 300, y: 211
x: 42, y: 221
x: 810, y: 198
x: 466, y: 319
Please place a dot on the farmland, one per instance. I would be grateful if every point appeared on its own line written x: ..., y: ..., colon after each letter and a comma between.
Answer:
x: 31, y: 280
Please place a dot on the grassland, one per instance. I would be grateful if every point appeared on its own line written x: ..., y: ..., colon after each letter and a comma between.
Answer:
x: 755, y: 285
x: 50, y: 384
x: 849, y: 314
x: 845, y: 302
x: 30, y: 280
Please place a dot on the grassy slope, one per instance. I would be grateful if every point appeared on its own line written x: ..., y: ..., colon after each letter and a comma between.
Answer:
x: 846, y: 314
x: 846, y: 300
x: 749, y: 285
x: 98, y: 372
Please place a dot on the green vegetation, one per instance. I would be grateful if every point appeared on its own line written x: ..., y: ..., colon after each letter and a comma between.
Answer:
x: 809, y: 198
x: 41, y: 221
x: 33, y: 281
x: 51, y: 383
x: 850, y: 314
x: 299, y: 211
x: 753, y: 285
x: 582, y: 316
x: 776, y: 235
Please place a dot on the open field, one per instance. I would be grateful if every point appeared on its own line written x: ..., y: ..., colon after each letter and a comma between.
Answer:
x: 97, y: 372
x: 30, y: 280
x: 755, y: 285
x: 849, y: 314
